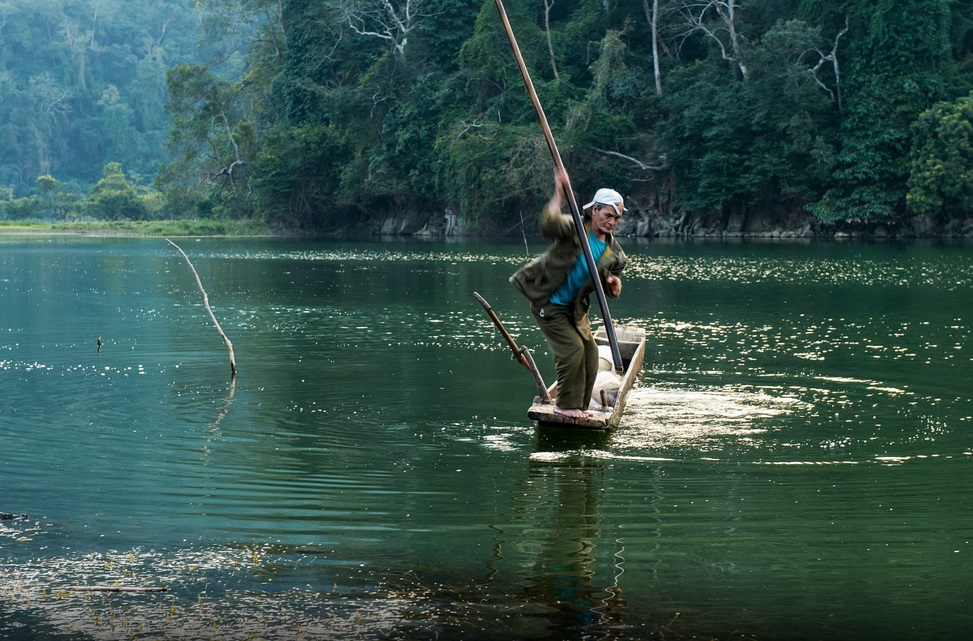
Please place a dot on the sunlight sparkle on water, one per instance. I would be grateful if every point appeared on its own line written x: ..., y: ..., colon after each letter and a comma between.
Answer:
x: 699, y: 419
x: 202, y: 601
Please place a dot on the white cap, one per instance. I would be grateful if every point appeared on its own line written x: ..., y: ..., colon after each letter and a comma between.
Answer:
x: 605, y: 196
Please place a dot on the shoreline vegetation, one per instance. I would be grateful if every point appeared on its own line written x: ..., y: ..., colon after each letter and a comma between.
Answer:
x: 715, y: 118
x: 632, y: 229
x: 687, y: 227
x: 149, y: 228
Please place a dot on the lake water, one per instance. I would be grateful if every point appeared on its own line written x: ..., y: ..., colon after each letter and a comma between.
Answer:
x: 795, y: 462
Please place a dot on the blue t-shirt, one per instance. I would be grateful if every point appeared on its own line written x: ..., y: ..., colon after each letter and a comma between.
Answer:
x: 578, y: 275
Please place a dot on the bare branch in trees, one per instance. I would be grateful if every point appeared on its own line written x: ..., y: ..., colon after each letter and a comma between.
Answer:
x: 467, y: 126
x: 833, y: 59
x: 377, y: 99
x: 635, y: 161
x: 716, y: 19
x: 547, y: 29
x: 58, y: 106
x: 391, y: 20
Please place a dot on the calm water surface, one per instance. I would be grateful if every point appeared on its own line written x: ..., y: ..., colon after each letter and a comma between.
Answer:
x: 795, y: 462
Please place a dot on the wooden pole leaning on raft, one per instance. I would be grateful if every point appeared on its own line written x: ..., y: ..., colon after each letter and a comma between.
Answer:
x: 522, y: 353
x: 572, y: 201
x: 212, y: 316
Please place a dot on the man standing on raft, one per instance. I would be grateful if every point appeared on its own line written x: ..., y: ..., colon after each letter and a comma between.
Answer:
x: 558, y: 284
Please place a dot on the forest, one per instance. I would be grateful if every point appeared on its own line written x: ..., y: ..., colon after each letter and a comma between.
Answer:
x: 318, y: 115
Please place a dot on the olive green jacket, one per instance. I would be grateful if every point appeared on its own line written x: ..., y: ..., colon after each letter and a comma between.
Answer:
x: 540, y: 278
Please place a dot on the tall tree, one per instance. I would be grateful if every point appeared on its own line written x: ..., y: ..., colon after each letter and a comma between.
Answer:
x: 652, y: 17
x: 213, y: 127
x: 898, y: 53
x: 941, y: 161
x: 114, y: 197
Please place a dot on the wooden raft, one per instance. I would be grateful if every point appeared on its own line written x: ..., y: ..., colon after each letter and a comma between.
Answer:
x: 631, y: 346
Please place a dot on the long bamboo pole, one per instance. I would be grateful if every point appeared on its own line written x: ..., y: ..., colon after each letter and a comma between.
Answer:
x: 572, y: 201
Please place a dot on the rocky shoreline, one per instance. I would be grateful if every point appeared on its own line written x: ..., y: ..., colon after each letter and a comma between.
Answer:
x: 701, y: 225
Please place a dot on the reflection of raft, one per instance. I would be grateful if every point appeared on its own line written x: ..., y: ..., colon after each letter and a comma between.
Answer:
x: 631, y: 346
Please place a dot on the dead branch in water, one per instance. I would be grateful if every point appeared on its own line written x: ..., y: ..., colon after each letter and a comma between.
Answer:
x: 212, y: 316
x: 113, y: 588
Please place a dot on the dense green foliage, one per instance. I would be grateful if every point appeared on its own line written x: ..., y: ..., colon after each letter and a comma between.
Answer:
x: 348, y: 109
x: 82, y: 84
x: 941, y: 165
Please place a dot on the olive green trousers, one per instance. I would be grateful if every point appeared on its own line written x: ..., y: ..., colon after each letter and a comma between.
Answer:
x: 575, y: 353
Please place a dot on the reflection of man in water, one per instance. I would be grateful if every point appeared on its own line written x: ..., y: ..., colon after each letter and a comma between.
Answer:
x: 563, y: 572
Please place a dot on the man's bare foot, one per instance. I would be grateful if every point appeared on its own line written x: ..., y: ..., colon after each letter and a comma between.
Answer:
x: 571, y: 413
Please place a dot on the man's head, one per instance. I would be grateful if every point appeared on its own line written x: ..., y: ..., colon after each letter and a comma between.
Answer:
x: 608, y: 197
x: 606, y: 211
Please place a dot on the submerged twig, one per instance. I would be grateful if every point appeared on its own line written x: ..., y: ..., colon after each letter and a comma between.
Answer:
x: 212, y: 316
x: 224, y: 410
x: 114, y: 588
